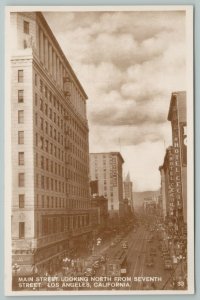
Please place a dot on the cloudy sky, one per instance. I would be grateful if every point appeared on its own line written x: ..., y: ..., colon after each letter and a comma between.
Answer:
x: 128, y: 63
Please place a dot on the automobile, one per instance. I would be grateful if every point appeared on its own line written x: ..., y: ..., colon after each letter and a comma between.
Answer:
x: 165, y: 254
x: 102, y: 259
x: 149, y: 262
x: 164, y: 248
x: 168, y: 265
x: 112, y: 244
x: 89, y: 271
x: 96, y: 264
x: 96, y: 258
x: 125, y: 245
x: 150, y: 239
x: 153, y: 251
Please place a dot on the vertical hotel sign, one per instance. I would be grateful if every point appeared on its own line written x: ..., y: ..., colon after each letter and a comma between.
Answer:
x: 177, y: 164
x: 171, y: 189
x: 183, y: 139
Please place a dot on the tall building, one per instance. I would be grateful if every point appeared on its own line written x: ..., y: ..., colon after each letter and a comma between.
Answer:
x: 107, y: 169
x: 128, y: 191
x: 167, y: 172
x: 178, y: 118
x: 50, y: 154
x: 174, y: 169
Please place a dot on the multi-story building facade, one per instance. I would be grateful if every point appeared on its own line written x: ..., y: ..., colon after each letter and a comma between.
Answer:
x: 101, y: 203
x: 163, y: 193
x: 178, y: 118
x: 169, y: 170
x: 174, y: 168
x: 50, y: 154
x: 107, y: 169
x: 128, y: 191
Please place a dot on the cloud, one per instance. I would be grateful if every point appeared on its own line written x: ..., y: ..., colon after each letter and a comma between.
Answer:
x: 126, y: 115
x: 129, y: 63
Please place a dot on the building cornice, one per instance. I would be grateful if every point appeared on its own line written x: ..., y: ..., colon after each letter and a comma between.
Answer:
x: 83, y: 122
x: 50, y: 33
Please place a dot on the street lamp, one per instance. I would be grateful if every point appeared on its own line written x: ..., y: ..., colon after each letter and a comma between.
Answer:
x: 15, y: 268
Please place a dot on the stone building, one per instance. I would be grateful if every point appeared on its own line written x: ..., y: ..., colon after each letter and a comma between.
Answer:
x: 50, y: 154
x: 174, y: 168
x: 128, y: 191
x: 106, y: 168
x: 178, y: 117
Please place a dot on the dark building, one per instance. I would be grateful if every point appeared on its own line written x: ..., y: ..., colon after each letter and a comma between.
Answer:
x: 101, y: 203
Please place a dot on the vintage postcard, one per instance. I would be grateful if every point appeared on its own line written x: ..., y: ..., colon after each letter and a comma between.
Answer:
x: 99, y: 192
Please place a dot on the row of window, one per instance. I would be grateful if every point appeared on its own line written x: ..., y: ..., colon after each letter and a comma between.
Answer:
x: 52, y: 225
x: 54, y: 65
x: 48, y: 100
x: 48, y: 128
x: 56, y: 152
x: 52, y: 184
x: 58, y: 169
x: 52, y: 149
x: 57, y: 136
x: 45, y: 201
x: 55, y: 202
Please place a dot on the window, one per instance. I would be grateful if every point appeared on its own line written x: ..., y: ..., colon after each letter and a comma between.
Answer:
x: 41, y: 104
x: 41, y: 86
x: 47, y: 164
x: 42, y: 181
x: 42, y: 162
x: 36, y: 139
x: 20, y: 116
x: 45, y: 91
x: 46, y: 127
x: 46, y: 109
x: 20, y: 137
x: 37, y: 180
x: 36, y: 79
x: 21, y: 180
x: 41, y: 142
x: 21, y: 201
x: 36, y: 99
x: 21, y: 158
x: 36, y: 119
x: 21, y: 230
x: 20, y: 96
x: 26, y: 27
x: 20, y: 75
x: 42, y: 201
x: 36, y: 159
x: 41, y: 123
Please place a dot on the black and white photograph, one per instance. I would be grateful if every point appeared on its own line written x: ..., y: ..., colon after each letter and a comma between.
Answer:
x: 99, y: 187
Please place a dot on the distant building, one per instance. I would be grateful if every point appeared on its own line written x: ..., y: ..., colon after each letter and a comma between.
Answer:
x: 101, y: 203
x: 106, y: 168
x: 50, y: 156
x: 149, y: 206
x: 128, y: 191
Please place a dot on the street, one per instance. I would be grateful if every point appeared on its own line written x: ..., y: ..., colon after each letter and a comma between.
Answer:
x: 144, y: 260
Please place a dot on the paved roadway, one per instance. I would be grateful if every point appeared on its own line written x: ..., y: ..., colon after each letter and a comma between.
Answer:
x: 138, y: 250
x: 136, y: 258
